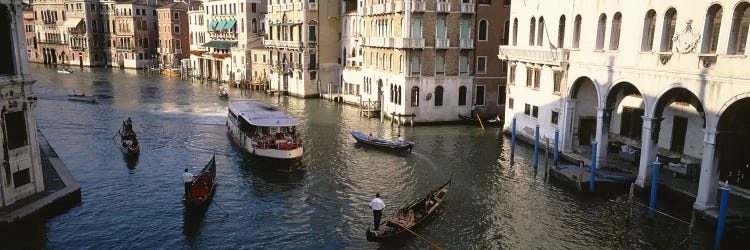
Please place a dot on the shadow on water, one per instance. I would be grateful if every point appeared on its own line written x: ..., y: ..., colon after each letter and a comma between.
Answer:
x: 191, y: 223
x: 268, y: 171
x: 131, y: 161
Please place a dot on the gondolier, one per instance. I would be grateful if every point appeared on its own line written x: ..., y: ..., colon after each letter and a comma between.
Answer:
x: 187, y: 177
x: 377, y: 209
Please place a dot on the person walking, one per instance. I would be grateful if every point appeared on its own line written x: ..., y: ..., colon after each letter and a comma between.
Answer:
x: 187, y: 177
x: 377, y: 210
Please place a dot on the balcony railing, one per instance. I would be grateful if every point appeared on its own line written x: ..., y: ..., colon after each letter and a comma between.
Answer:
x: 298, y: 6
x: 418, y: 6
x: 442, y: 43
x: 466, y: 43
x: 443, y: 7
x: 467, y: 8
x: 389, y: 7
x: 398, y: 6
x: 408, y: 43
x: 540, y: 55
x: 378, y: 41
x: 312, y: 66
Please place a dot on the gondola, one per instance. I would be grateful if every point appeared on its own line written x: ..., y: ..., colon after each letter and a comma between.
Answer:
x: 382, y: 143
x: 128, y: 140
x: 407, y: 218
x: 495, y: 122
x: 203, y: 186
x: 82, y: 98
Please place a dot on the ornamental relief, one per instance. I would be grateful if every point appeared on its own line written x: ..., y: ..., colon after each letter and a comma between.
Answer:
x: 687, y: 40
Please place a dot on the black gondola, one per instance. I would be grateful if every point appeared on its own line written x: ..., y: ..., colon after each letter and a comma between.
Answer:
x: 382, y: 143
x: 494, y: 122
x: 203, y: 186
x: 128, y: 140
x: 409, y: 217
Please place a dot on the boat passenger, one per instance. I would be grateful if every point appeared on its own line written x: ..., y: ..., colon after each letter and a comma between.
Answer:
x: 377, y: 206
x: 400, y: 138
x: 187, y: 178
x: 429, y: 202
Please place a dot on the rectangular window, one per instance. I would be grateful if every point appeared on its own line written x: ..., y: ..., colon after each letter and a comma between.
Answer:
x: 252, y: 7
x: 313, y: 75
x: 501, y: 95
x: 527, y: 109
x: 512, y: 75
x: 556, y: 82
x: 177, y: 44
x: 479, y: 96
x: 537, y: 78
x: 255, y: 58
x: 264, y: 58
x: 177, y: 15
x: 535, y: 111
x: 510, y: 103
x: 21, y: 178
x: 15, y: 127
x: 631, y: 122
x: 312, y: 37
x: 482, y: 64
x: 554, y: 118
x: 177, y: 29
x: 529, y: 77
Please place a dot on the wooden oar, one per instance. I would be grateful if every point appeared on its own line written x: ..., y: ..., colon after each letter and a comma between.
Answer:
x: 222, y: 209
x: 435, y: 246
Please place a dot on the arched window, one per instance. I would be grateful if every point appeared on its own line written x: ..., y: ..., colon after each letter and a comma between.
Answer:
x: 482, y: 30
x: 254, y: 24
x: 462, y: 96
x: 561, y: 33
x: 440, y: 28
x: 439, y: 65
x: 371, y: 60
x: 668, y: 29
x: 540, y: 33
x: 601, y: 29
x: 649, y: 25
x: 344, y: 57
x: 400, y: 60
x: 416, y: 28
x: 465, y: 29
x: 398, y: 95
x: 506, y: 33
x: 577, y: 32
x: 415, y: 65
x: 532, y: 31
x: 711, y: 29
x: 515, y: 32
x: 393, y: 94
x: 738, y: 34
x: 93, y: 26
x: 415, y: 96
x: 614, y: 39
x: 390, y: 62
x: 439, y: 96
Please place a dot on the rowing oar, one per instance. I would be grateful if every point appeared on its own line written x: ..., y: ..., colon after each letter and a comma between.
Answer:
x: 222, y: 209
x: 435, y: 246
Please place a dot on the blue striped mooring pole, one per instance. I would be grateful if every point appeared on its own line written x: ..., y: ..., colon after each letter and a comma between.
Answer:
x: 654, y: 185
x: 722, y: 213
x: 593, y: 167
x: 557, y: 140
x: 536, y: 147
x: 513, y: 139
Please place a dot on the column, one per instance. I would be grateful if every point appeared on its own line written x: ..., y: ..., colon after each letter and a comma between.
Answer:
x: 707, y: 186
x: 566, y: 132
x: 649, y: 139
x: 602, y: 135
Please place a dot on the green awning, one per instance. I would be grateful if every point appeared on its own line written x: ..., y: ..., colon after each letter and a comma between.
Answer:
x: 229, y: 25
x: 212, y: 25
x: 220, y: 26
x: 220, y: 44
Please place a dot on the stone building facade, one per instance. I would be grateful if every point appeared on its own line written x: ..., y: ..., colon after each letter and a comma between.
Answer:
x: 135, y: 34
x: 173, y: 34
x: 663, y: 78
x: 30, y: 34
x: 492, y: 29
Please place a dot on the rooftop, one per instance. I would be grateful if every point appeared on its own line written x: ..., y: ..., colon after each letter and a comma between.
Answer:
x: 259, y: 113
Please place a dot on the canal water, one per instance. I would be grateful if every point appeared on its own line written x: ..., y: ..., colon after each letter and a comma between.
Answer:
x: 324, y: 204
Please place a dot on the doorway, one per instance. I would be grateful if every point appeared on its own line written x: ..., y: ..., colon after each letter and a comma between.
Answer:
x: 586, y: 130
x: 679, y: 130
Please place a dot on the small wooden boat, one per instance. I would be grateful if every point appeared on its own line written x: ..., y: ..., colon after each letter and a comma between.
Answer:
x: 407, y: 218
x: 82, y: 98
x: 128, y: 140
x: 64, y: 71
x: 171, y: 72
x: 203, y: 186
x: 382, y: 143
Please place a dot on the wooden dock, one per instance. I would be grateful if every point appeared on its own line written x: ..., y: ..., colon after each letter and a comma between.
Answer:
x: 578, y: 178
x: 369, y: 109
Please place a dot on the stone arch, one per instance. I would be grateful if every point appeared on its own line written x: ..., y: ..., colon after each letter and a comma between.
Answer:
x: 583, y: 100
x: 732, y: 141
x: 666, y: 97
x: 573, y: 89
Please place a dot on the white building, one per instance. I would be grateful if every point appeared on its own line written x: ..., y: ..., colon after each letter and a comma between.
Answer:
x: 21, y: 170
x: 662, y: 76
x: 351, y: 55
x: 220, y: 39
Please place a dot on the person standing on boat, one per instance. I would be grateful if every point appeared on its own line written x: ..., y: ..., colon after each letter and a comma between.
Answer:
x: 400, y: 138
x: 377, y: 209
x: 187, y: 177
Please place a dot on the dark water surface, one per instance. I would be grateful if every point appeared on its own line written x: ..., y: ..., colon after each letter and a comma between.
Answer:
x: 491, y: 204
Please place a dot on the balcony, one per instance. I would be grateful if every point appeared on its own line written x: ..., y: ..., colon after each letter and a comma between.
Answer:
x: 378, y: 41
x: 466, y: 43
x: 389, y: 7
x: 419, y: 6
x: 442, y: 43
x: 443, y: 7
x: 313, y: 6
x: 467, y: 8
x: 398, y: 6
x: 312, y: 66
x: 377, y: 9
x: 270, y: 8
x: 556, y: 57
x: 289, y: 7
x: 417, y: 43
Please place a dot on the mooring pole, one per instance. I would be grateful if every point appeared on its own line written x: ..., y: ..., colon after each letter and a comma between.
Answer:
x: 580, y: 175
x: 722, y: 213
x: 513, y: 139
x: 536, y: 147
x: 654, y: 186
x: 593, y: 167
x: 546, y: 156
x: 557, y: 140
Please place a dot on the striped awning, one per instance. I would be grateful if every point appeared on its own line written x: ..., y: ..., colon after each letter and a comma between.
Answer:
x: 229, y: 25
x: 220, y: 26
x: 212, y: 25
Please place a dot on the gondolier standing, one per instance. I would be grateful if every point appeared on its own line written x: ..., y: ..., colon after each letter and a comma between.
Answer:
x: 377, y: 209
x: 187, y: 177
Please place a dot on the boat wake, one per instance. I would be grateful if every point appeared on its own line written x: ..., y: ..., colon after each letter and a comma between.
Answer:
x: 424, y: 159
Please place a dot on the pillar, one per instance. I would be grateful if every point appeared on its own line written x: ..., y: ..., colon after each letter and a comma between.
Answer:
x: 649, y: 139
x: 602, y: 134
x: 568, y: 116
x: 707, y: 185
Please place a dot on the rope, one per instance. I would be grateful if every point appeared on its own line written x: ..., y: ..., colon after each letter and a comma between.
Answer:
x: 669, y: 216
x: 432, y: 244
